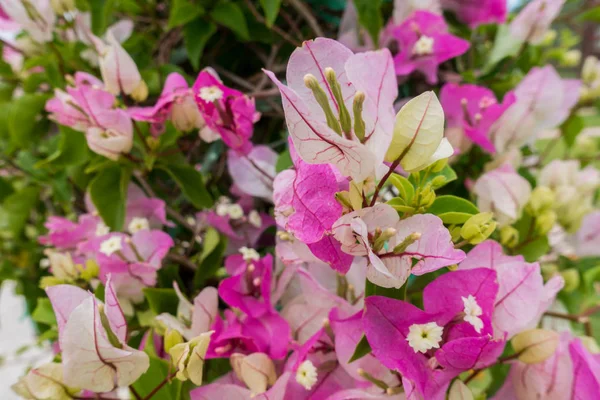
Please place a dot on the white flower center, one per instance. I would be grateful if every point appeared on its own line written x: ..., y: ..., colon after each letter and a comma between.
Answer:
x: 138, y: 224
x: 249, y: 254
x: 235, y: 211
x: 307, y: 375
x: 486, y: 101
x: 255, y: 219
x: 472, y: 312
x: 422, y: 337
x: 111, y: 245
x: 210, y: 93
x: 102, y: 229
x: 424, y: 46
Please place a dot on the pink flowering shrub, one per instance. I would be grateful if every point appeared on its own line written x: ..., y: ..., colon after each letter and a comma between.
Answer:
x: 261, y: 200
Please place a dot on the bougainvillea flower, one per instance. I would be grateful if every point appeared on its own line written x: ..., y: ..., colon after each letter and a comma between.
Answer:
x: 543, y: 100
x: 473, y: 109
x: 36, y: 17
x: 454, y: 333
x: 504, y: 192
x: 226, y: 111
x: 176, y: 104
x: 403, y: 9
x: 376, y: 232
x: 534, y: 20
x: 44, y: 382
x: 66, y: 234
x: 588, y: 236
x: 92, y: 338
x: 325, y: 80
x: 477, y: 12
x: 586, y: 367
x: 222, y: 389
x: 114, y: 138
x: 424, y: 44
x: 253, y: 171
x: 519, y: 283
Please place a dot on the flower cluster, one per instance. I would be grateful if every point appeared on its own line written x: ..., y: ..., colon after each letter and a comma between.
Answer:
x: 416, y: 218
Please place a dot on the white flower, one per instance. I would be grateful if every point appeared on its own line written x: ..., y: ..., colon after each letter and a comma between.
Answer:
x: 222, y: 210
x: 102, y: 229
x: 423, y: 46
x: 472, y: 312
x: 422, y: 337
x: 307, y: 375
x: 111, y: 245
x: 210, y: 93
x: 138, y: 224
x: 235, y: 211
x: 255, y: 219
x: 249, y: 254
x: 44, y: 263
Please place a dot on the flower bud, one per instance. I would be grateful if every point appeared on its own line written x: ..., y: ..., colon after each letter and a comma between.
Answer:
x: 542, y: 199
x: 459, y: 391
x: 535, y: 345
x: 336, y: 89
x: 172, y: 338
x: 62, y: 6
x: 571, y: 58
x: 185, y: 114
x: 545, y: 222
x: 455, y: 233
x: 321, y: 97
x: 549, y: 38
x: 509, y: 236
x: 478, y: 228
x: 549, y: 271
x: 410, y: 239
x: 356, y: 195
x: 188, y: 358
x: 591, y: 70
x: 357, y: 109
x: 572, y: 279
x: 119, y: 71
x: 256, y: 370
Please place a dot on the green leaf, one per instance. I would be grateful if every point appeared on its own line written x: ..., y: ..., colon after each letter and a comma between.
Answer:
x: 504, y: 46
x: 211, y: 257
x: 405, y: 188
x: 369, y: 16
x: 182, y: 12
x: 100, y: 11
x: 191, y: 183
x: 452, y: 209
x: 195, y: 36
x: 571, y: 128
x: 362, y: 349
x: 6, y: 189
x: 72, y: 149
x: 22, y: 118
x: 271, y: 8
x: 108, y: 191
x: 372, y: 289
x: 43, y: 313
x: 231, y: 16
x: 533, y: 249
x: 590, y: 15
x: 427, y: 176
x: 284, y: 161
x: 16, y: 208
x: 158, y: 371
x: 162, y: 300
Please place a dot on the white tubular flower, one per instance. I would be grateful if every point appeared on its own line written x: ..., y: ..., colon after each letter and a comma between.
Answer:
x: 138, y: 224
x: 111, y: 245
x: 255, y: 219
x: 235, y: 211
x: 102, y: 229
x: 249, y: 254
x: 307, y: 375
x: 211, y: 93
x: 423, y: 46
x: 472, y: 312
x: 422, y: 337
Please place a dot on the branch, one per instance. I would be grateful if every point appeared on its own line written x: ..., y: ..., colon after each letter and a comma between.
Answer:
x: 307, y: 15
x: 274, y: 28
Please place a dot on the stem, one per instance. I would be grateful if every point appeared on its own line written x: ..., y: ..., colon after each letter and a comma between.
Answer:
x: 159, y: 386
x: 181, y: 260
x: 385, y: 178
x: 274, y: 28
x: 135, y: 393
x: 141, y: 136
x: 307, y: 15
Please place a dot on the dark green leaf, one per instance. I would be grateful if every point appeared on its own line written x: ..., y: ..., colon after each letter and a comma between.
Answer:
x: 591, y: 15
x: 424, y: 177
x: 158, y: 371
x: 191, y: 183
x: 162, y: 300
x: 108, y: 191
x: 271, y: 8
x: 100, y: 11
x: 72, y: 149
x: 195, y: 36
x: 231, y: 16
x: 369, y: 16
x: 372, y: 289
x: 362, y: 349
x: 452, y: 209
x: 571, y: 128
x: 284, y: 161
x: 6, y: 189
x: 22, y: 118
x: 211, y: 257
x: 16, y: 208
x: 182, y: 12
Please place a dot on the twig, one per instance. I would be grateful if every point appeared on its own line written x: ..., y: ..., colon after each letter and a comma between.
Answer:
x: 385, y: 178
x: 140, y: 135
x: 182, y: 260
x: 307, y: 15
x: 160, y: 385
x: 135, y: 393
x: 274, y: 28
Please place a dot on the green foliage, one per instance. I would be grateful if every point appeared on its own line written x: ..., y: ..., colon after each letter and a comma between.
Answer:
x: 191, y: 183
x: 362, y: 349
x: 159, y: 370
x: 369, y: 16
x: 453, y: 209
x: 182, y: 12
x: 161, y: 300
x: 195, y: 35
x: 22, y: 124
x: 271, y: 9
x: 43, y: 313
x: 16, y: 209
x: 231, y: 16
x: 108, y: 192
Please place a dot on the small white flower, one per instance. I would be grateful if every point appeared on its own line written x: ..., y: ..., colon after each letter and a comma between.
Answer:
x: 472, y: 312
x: 307, y: 375
x: 191, y: 221
x: 138, y: 224
x: 423, y: 46
x: 255, y: 219
x: 249, y: 254
x: 44, y: 263
x: 210, y: 93
x: 102, y: 229
x: 235, y: 211
x: 111, y: 245
x: 222, y: 210
x: 422, y: 337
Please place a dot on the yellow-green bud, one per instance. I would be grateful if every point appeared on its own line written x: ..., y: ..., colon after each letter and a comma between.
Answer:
x: 478, y: 228
x: 439, y: 165
x: 571, y: 58
x: 545, y: 221
x: 344, y: 199
x: 357, y: 109
x: 549, y: 38
x: 549, y: 271
x: 542, y: 199
x: 572, y: 279
x: 336, y: 89
x: 152, y: 142
x: 172, y: 338
x: 439, y: 181
x: 535, y: 345
x: 509, y: 236
x: 385, y: 235
x: 321, y: 97
x: 410, y: 239
x: 90, y: 271
x: 47, y: 281
x: 455, y: 233
x: 140, y: 93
